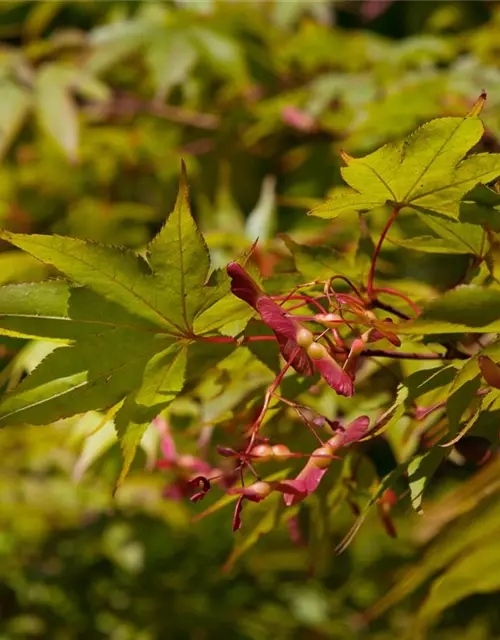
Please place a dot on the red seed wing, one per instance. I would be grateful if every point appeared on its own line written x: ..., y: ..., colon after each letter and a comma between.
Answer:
x: 305, y: 483
x: 301, y: 362
x: 275, y: 317
x: 335, y: 376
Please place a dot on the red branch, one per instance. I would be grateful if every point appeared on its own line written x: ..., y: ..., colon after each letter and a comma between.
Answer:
x: 380, y: 242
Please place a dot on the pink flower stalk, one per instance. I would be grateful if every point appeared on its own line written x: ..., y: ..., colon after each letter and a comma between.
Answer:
x: 262, y: 452
x: 309, y: 478
x: 316, y: 467
x: 385, y: 503
x: 294, y: 532
x: 285, y: 329
x: 257, y: 492
x: 204, y: 487
x: 295, y: 341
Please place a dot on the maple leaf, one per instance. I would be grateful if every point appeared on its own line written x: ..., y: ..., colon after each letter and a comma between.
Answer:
x: 428, y: 171
x: 126, y: 326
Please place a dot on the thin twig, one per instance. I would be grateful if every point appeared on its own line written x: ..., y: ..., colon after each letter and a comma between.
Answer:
x: 380, y: 242
x: 405, y: 355
x: 129, y: 106
x: 387, y: 307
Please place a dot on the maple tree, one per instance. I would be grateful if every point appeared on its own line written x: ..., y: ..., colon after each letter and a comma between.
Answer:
x: 139, y: 330
x: 341, y: 371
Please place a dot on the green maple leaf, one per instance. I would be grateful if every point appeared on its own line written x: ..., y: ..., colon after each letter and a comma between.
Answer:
x: 428, y: 171
x: 453, y: 237
x: 465, y: 309
x: 94, y: 373
x: 127, y: 325
x: 59, y: 311
x: 168, y: 289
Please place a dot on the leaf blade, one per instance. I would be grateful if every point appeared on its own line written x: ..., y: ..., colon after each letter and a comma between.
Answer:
x: 118, y: 275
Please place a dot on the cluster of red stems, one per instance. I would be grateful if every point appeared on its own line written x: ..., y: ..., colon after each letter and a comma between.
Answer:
x: 320, y: 349
x: 309, y: 344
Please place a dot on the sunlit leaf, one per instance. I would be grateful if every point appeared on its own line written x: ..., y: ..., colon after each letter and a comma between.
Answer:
x: 426, y: 172
x: 170, y: 57
x: 179, y: 257
x: 54, y: 309
x: 344, y: 201
x: 261, y: 220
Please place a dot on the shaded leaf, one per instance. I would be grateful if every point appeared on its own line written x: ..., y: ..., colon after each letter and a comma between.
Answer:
x: 467, y: 236
x: 463, y: 535
x: 463, y: 309
x: 478, y: 571
x: 94, y: 374
x: 56, y: 108
x: 14, y: 107
x: 429, y: 244
x: 316, y: 262
x: 388, y: 482
x: 459, y: 400
x: 56, y: 310
x: 17, y: 267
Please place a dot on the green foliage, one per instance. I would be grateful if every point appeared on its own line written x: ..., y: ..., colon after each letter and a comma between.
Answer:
x: 132, y: 357
x: 426, y: 172
x: 124, y: 346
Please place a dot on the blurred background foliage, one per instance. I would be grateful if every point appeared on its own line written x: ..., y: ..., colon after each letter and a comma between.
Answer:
x: 98, y: 103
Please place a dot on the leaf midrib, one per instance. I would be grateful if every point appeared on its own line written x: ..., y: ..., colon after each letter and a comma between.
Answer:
x: 381, y: 179
x: 181, y: 264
